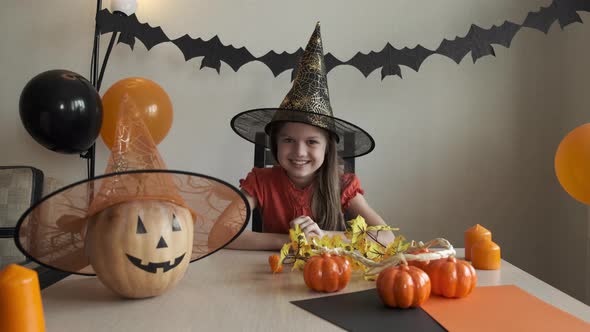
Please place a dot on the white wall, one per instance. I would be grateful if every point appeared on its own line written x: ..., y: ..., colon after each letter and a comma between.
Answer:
x: 456, y: 144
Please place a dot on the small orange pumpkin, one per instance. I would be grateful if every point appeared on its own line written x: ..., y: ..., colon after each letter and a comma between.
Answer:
x: 451, y: 277
x: 403, y: 286
x: 419, y: 264
x: 273, y: 261
x: 327, y: 273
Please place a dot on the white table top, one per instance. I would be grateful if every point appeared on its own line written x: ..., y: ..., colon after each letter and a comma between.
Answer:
x: 234, y: 290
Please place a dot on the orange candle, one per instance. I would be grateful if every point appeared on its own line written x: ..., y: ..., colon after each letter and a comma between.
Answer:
x: 485, y: 255
x: 20, y: 300
x: 473, y: 235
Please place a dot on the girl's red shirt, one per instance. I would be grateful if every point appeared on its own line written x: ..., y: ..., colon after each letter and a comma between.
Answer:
x: 279, y: 201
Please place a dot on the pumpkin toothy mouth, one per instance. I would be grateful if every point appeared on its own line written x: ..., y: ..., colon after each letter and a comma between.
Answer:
x: 153, y: 267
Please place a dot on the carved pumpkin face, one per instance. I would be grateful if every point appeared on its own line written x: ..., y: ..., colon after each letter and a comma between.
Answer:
x: 140, y: 248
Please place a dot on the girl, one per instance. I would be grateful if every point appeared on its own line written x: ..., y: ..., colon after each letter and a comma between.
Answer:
x: 307, y: 187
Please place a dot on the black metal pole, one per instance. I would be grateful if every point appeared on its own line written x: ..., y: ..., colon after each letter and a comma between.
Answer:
x: 106, y: 60
x: 91, y: 154
x: 95, y: 48
x: 96, y: 79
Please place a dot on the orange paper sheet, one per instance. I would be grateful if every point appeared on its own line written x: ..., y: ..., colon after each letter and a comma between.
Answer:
x: 500, y: 309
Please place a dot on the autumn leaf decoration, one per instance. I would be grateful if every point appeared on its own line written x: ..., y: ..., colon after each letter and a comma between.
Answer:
x: 367, y: 254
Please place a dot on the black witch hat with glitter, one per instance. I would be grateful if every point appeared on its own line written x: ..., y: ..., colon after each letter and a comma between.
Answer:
x: 308, y: 102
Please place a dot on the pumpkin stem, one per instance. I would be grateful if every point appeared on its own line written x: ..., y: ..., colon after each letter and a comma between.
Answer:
x: 403, y: 260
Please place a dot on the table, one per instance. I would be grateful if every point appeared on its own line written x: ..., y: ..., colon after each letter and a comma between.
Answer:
x: 234, y: 290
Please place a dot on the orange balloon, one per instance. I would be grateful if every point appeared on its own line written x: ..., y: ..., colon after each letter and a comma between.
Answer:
x: 151, y: 100
x: 572, y: 163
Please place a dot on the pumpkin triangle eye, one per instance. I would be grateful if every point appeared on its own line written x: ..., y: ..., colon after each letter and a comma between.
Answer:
x: 140, y: 226
x: 175, y: 224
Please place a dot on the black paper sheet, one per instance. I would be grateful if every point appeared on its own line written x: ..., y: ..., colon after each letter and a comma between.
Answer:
x: 364, y: 311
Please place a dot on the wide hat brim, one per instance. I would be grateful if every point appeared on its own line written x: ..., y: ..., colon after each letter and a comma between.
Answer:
x: 52, y: 232
x: 353, y: 141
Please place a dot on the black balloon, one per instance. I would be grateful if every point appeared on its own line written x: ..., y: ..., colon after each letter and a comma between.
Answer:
x: 62, y: 111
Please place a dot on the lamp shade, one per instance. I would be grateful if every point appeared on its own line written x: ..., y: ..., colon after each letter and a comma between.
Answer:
x: 126, y: 7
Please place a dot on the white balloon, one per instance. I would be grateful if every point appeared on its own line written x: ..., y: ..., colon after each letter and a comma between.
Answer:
x: 127, y: 7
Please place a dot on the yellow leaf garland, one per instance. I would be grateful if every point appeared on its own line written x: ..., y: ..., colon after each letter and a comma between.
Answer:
x: 360, y: 246
x: 360, y: 239
x: 358, y: 230
x: 374, y: 251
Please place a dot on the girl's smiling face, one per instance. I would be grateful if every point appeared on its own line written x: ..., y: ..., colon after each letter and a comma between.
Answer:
x: 301, y: 149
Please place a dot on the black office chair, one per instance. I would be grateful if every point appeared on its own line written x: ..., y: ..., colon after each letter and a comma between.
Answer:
x: 263, y: 158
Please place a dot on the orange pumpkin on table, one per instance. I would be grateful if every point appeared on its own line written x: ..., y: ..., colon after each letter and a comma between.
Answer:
x: 419, y: 264
x: 403, y: 286
x: 451, y: 277
x: 327, y: 273
x: 273, y: 261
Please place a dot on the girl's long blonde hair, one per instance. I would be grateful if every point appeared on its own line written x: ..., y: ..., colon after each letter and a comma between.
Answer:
x: 325, y: 199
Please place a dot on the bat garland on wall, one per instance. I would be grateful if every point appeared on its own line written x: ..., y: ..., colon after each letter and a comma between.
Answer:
x: 477, y: 41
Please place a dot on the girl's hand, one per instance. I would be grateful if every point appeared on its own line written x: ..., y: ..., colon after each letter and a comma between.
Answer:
x: 308, y: 227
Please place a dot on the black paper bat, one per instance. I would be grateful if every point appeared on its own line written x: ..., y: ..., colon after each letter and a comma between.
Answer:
x: 541, y: 19
x: 564, y: 11
x: 278, y: 63
x: 130, y: 28
x: 389, y: 60
x: 331, y: 62
x: 477, y: 41
x: 213, y: 52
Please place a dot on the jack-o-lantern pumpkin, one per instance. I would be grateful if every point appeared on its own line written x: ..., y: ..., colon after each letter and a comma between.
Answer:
x: 140, y: 248
x: 133, y: 225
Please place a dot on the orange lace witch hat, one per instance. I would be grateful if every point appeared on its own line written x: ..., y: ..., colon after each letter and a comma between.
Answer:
x: 61, y: 229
